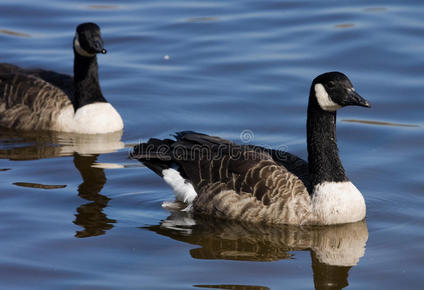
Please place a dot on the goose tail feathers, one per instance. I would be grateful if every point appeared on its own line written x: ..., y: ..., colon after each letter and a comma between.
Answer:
x: 155, y: 154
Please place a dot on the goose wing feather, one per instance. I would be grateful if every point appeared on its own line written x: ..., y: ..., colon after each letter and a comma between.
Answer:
x: 238, y: 181
x: 28, y: 101
x: 61, y: 81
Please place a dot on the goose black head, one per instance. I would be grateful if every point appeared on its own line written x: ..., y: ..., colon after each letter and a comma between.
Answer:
x: 88, y: 40
x: 333, y: 90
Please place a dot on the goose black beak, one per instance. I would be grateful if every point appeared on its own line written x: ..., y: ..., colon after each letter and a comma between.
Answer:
x: 98, y: 46
x: 355, y: 99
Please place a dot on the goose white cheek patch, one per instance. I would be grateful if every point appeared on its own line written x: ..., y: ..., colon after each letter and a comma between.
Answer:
x: 324, y: 100
x: 81, y: 50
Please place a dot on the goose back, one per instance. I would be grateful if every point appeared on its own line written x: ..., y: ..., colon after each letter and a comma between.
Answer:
x: 32, y: 99
x: 239, y: 182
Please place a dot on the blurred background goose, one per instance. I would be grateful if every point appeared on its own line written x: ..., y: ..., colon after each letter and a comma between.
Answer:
x: 36, y: 99
x: 244, y: 182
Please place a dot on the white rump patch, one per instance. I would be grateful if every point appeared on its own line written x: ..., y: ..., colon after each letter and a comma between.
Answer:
x: 79, y: 49
x: 324, y: 100
x: 95, y: 118
x: 337, y: 203
x: 184, y: 190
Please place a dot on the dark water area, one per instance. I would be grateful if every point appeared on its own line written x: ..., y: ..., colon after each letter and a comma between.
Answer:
x: 76, y: 213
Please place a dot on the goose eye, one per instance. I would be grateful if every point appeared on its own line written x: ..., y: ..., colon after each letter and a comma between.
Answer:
x: 331, y: 84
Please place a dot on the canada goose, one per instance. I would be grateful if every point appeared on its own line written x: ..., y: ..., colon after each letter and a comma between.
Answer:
x: 216, y: 177
x: 35, y: 99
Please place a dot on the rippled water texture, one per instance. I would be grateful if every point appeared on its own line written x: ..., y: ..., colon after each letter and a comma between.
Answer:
x: 76, y: 213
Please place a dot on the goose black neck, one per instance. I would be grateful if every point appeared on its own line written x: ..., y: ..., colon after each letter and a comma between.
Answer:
x: 323, y: 154
x: 86, y: 81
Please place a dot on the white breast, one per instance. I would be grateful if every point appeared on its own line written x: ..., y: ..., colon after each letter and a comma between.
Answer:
x: 96, y: 118
x: 337, y: 203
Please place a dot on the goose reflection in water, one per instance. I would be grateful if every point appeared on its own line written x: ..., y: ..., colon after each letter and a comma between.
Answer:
x: 334, y: 249
x: 85, y: 149
x: 28, y: 145
x: 90, y: 216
